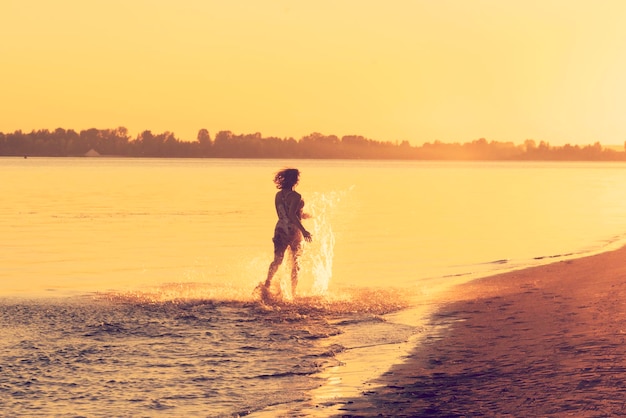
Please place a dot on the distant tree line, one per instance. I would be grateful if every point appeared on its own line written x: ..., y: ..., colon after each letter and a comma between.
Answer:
x: 225, y: 144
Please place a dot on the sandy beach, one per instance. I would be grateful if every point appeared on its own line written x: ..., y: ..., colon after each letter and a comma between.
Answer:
x: 545, y: 341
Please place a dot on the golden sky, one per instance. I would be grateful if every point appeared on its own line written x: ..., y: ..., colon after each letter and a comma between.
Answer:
x: 416, y: 70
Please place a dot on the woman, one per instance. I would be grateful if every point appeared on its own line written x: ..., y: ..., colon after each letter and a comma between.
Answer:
x: 289, y: 230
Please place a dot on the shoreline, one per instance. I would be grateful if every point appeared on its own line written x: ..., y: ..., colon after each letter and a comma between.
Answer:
x: 545, y: 340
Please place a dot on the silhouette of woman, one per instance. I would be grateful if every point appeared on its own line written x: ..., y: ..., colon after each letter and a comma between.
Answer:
x: 289, y: 230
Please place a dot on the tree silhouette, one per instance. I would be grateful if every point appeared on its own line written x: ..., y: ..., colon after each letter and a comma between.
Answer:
x: 117, y: 142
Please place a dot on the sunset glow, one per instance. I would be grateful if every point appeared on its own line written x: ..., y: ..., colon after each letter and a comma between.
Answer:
x: 451, y: 70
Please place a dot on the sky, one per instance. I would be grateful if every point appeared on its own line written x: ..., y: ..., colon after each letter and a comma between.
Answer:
x: 396, y: 70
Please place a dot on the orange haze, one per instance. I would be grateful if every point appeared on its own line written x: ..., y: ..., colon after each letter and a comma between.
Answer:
x: 416, y: 70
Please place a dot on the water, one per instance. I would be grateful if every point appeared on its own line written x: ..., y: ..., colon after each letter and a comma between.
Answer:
x: 127, y: 285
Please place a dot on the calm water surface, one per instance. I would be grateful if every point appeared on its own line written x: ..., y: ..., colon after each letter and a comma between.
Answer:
x: 127, y: 285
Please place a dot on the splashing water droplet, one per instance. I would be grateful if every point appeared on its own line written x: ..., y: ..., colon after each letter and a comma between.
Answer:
x: 318, y: 259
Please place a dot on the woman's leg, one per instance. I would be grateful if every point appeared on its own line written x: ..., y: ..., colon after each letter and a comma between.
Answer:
x: 279, y: 254
x: 296, y: 250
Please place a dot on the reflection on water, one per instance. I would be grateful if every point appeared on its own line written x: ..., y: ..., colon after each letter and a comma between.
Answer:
x: 77, y: 225
x: 198, y: 357
x: 138, y: 274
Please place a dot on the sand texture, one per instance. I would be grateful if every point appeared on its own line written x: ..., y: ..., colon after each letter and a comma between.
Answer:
x: 545, y: 341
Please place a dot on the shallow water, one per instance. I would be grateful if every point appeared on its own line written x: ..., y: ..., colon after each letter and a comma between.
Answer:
x: 128, y: 285
x: 132, y: 360
x: 116, y: 355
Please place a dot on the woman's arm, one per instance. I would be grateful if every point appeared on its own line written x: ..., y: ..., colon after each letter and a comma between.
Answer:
x: 293, y: 213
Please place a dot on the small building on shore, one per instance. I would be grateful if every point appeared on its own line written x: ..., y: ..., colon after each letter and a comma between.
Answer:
x: 92, y: 153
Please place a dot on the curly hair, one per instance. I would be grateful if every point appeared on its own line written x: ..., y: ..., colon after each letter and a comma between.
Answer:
x: 287, y: 178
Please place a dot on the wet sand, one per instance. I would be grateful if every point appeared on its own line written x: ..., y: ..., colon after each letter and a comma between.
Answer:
x: 545, y: 341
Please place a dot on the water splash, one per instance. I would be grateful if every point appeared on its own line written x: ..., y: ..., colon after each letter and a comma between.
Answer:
x: 318, y: 257
x: 334, y: 304
x: 237, y: 283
